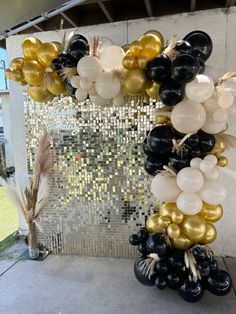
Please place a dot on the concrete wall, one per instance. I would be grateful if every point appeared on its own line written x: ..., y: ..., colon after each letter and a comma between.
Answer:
x: 220, y: 24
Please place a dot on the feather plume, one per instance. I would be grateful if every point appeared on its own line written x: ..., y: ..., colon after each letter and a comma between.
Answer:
x: 41, y: 196
x: 169, y: 49
x: 227, y: 139
x: 227, y: 76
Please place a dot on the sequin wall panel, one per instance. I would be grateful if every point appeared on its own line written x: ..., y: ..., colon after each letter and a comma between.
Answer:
x: 100, y: 192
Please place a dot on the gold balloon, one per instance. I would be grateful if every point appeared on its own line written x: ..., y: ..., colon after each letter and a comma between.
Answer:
x: 219, y: 147
x: 153, y: 90
x: 14, y: 75
x: 194, y: 228
x: 30, y: 47
x: 55, y: 85
x: 125, y: 47
x: 151, y: 224
x: 33, y: 73
x: 135, y: 49
x: 135, y: 82
x: 129, y: 62
x: 58, y: 45
x: 151, y: 46
x: 157, y: 34
x: 222, y: 161
x: 142, y: 62
x: 163, y: 221
x: 17, y: 64
x: 177, y: 216
x: 22, y: 82
x: 181, y: 243
x: 210, y: 235
x: 39, y: 94
x: 161, y: 119
x: 211, y: 213
x: 173, y: 231
x: 46, y: 53
x: 167, y: 209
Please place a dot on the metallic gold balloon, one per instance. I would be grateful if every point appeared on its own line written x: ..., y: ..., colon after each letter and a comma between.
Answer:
x: 55, y: 85
x: 151, y: 224
x: 211, y: 213
x: 161, y: 119
x: 167, y: 209
x: 30, y: 47
x: 17, y: 64
x: 135, y: 48
x: 177, y: 216
x: 163, y: 221
x: 222, y: 161
x: 151, y: 46
x: 129, y: 62
x: 22, y: 82
x: 219, y: 147
x: 13, y: 75
x: 153, y: 90
x: 33, y: 73
x: 157, y: 34
x: 46, y: 53
x: 142, y: 62
x: 135, y: 82
x: 125, y: 47
x: 39, y: 93
x: 194, y: 228
x: 210, y: 235
x: 173, y: 231
x: 58, y: 45
x: 181, y: 243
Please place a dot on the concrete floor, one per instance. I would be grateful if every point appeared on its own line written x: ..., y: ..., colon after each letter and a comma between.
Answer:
x: 89, y: 285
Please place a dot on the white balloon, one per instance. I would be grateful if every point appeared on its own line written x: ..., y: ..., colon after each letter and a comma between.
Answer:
x: 118, y: 100
x: 89, y: 67
x: 212, y: 159
x: 213, y: 127
x: 229, y: 86
x: 211, y: 105
x: 98, y: 100
x: 190, y: 180
x: 107, y: 85
x: 206, y: 166
x: 211, y: 175
x: 164, y: 187
x: 212, y: 72
x: 188, y: 116
x: 75, y: 81
x: 85, y: 83
x: 220, y: 115
x: 81, y: 94
x: 92, y: 91
x: 225, y: 100
x: 212, y: 192
x: 200, y: 89
x: 189, y: 203
x: 111, y: 58
x: 231, y: 110
x: 195, y: 163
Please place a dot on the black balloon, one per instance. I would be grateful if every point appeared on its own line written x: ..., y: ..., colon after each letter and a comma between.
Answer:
x: 56, y: 65
x: 142, y: 235
x: 202, y: 65
x: 213, y: 265
x: 195, y: 152
x: 219, y: 283
x: 201, y: 43
x: 207, y: 141
x: 192, y: 141
x: 203, y: 268
x: 191, y: 291
x: 184, y: 68
x: 142, y: 249
x: 159, y: 69
x: 161, y: 267
x: 70, y: 89
x: 78, y: 48
x: 177, y: 260
x: 146, y: 148
x: 67, y: 60
x: 171, y: 92
x: 198, y: 253
x: 153, y: 164
x: 160, y: 283
x: 139, y: 273
x: 156, y: 243
x: 133, y: 239
x: 182, y: 46
x: 173, y: 280
x: 160, y: 139
x: 179, y: 162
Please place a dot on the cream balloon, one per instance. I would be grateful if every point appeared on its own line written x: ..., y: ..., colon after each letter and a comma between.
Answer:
x: 220, y: 115
x: 211, y: 158
x: 111, y: 58
x: 212, y: 72
x: 85, y: 83
x: 75, y: 81
x: 81, y: 94
x: 213, y: 127
x: 232, y: 110
x: 206, y: 166
x: 229, y: 86
x: 188, y: 116
x: 200, y: 89
x: 89, y: 67
x: 212, y: 192
x: 107, y: 85
x: 164, y: 187
x: 190, y: 180
x: 118, y: 100
x: 225, y: 100
x: 189, y: 203
x: 92, y: 91
x: 211, y: 104
x: 98, y: 100
x: 211, y: 175
x: 195, y: 163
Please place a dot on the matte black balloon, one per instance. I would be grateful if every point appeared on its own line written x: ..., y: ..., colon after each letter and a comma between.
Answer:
x: 153, y: 165
x: 146, y: 148
x: 161, y: 267
x: 219, y: 283
x: 56, y: 65
x: 139, y: 274
x: 142, y: 248
x: 133, y: 239
x: 177, y: 260
x: 207, y: 141
x: 184, y: 68
x: 201, y: 43
x: 203, y: 268
x: 213, y: 265
x: 191, y: 291
x: 143, y: 235
x: 173, y: 280
x: 171, y: 93
x: 182, y: 46
x: 160, y: 283
x: 156, y: 243
x: 192, y: 141
x: 70, y: 89
x: 160, y: 139
x: 179, y: 162
x: 159, y: 69
x: 202, y: 65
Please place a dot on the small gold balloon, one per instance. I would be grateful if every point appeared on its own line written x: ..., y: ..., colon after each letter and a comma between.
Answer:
x: 30, y: 47
x: 161, y: 119
x: 167, y: 209
x: 55, y: 85
x: 39, y: 94
x: 210, y: 235
x: 17, y: 64
x: 181, y: 243
x: 142, y: 62
x: 151, y: 224
x: 157, y: 34
x: 129, y: 62
x: 153, y: 90
x: 173, y: 231
x: 163, y: 221
x: 219, y: 147
x: 33, y: 72
x: 135, y: 49
x: 211, y: 213
x: 125, y: 47
x: 151, y: 46
x: 194, y: 228
x: 222, y: 161
x: 177, y: 216
x: 58, y: 45
x: 135, y: 82
x: 14, y: 75
x: 46, y: 53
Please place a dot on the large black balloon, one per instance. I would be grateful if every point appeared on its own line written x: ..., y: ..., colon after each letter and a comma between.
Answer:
x: 203, y: 268
x: 207, y: 142
x: 177, y: 260
x: 56, y: 65
x: 147, y: 151
x: 139, y: 274
x: 171, y: 92
x: 201, y: 43
x: 182, y: 46
x: 160, y: 282
x: 202, y: 65
x: 179, y: 162
x: 156, y: 243
x: 78, y: 48
x: 161, y: 267
x: 219, y: 283
x: 173, y: 280
x: 198, y: 253
x: 133, y: 239
x: 192, y: 141
x: 153, y: 164
x: 142, y: 235
x: 142, y: 249
x: 184, y: 68
x: 159, y: 69
x: 67, y: 60
x: 160, y: 139
x: 191, y: 291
